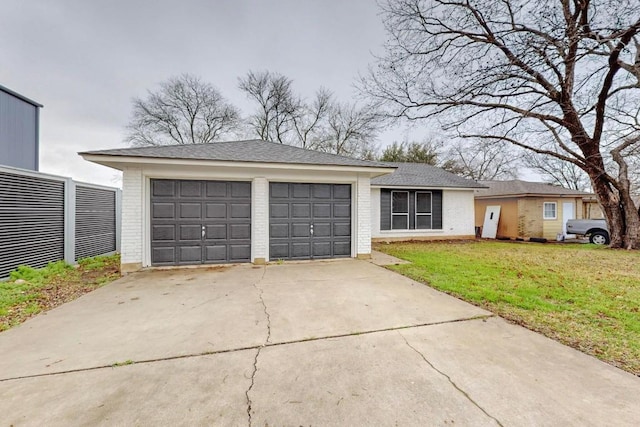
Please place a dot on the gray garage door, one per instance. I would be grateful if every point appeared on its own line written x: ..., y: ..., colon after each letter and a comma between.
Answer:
x: 309, y: 221
x: 200, y: 222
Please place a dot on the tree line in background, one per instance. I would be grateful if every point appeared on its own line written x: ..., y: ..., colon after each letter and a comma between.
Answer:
x: 186, y: 110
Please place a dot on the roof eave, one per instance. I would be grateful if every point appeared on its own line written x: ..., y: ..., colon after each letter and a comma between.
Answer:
x: 120, y: 162
x: 433, y: 187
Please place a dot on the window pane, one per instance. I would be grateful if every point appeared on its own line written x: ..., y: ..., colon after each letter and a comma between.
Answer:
x: 400, y: 203
x: 423, y: 202
x: 423, y: 221
x: 549, y: 210
x: 399, y: 222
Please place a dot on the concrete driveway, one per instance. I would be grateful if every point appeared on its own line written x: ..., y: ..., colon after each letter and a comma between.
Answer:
x: 321, y: 343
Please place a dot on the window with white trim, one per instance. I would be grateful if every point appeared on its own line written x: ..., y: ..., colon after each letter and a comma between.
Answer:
x: 550, y: 210
x: 424, y: 208
x: 399, y: 210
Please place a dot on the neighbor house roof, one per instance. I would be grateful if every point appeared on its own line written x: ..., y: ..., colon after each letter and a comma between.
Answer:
x: 257, y: 151
x: 422, y: 175
x: 518, y: 188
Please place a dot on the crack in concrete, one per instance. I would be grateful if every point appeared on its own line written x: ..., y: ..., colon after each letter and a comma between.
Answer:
x: 464, y: 393
x: 255, y: 347
x: 266, y: 343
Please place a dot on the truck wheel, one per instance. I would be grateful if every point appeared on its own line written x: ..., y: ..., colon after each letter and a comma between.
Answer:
x: 599, y: 238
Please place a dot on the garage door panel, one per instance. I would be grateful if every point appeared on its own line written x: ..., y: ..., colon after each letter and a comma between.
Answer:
x: 181, y: 208
x: 239, y: 231
x: 279, y: 190
x: 240, y: 252
x: 217, y: 231
x: 163, y: 232
x: 240, y: 210
x: 301, y: 210
x: 190, y: 232
x: 163, y: 188
x: 342, y: 210
x: 321, y: 210
x: 300, y: 230
x: 300, y: 191
x: 241, y: 189
x: 163, y: 211
x: 300, y: 250
x: 342, y: 191
x: 190, y: 210
x: 190, y: 189
x: 164, y: 255
x: 342, y: 249
x: 190, y: 254
x: 321, y: 229
x: 295, y: 207
x: 215, y: 211
x: 279, y: 231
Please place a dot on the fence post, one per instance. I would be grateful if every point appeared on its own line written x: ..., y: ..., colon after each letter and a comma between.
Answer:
x: 118, y: 219
x: 70, y: 221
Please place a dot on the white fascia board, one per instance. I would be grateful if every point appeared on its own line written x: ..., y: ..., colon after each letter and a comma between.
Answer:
x: 121, y: 162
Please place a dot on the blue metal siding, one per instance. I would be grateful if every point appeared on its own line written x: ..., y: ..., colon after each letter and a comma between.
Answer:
x: 18, y: 132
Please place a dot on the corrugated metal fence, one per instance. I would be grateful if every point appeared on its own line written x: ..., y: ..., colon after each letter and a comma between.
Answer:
x: 47, y: 218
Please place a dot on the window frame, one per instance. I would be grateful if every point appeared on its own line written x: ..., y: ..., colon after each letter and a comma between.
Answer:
x: 406, y: 214
x: 555, y: 210
x: 417, y: 214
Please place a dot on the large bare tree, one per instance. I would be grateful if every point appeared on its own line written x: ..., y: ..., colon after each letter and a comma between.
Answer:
x: 184, y: 110
x: 557, y: 172
x: 481, y: 160
x: 557, y: 77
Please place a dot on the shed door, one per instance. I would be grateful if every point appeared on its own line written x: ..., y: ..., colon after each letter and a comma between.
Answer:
x: 309, y: 221
x: 200, y: 222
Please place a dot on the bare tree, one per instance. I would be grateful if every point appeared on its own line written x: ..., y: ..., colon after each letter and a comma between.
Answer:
x: 278, y: 106
x: 558, y: 172
x: 481, y: 160
x: 322, y: 124
x: 351, y: 130
x: 556, y: 77
x: 184, y: 110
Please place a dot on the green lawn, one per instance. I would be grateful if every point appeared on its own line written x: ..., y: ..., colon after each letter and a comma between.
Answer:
x: 582, y: 295
x: 30, y: 291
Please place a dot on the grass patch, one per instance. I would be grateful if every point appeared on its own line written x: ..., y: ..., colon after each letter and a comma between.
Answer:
x: 585, y: 296
x: 30, y: 291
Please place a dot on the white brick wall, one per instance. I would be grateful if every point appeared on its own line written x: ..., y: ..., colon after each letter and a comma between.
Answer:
x: 260, y: 219
x: 132, y: 215
x: 363, y: 215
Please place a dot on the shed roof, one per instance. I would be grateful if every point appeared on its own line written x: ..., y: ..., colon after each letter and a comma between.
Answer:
x: 21, y: 97
x: 422, y: 175
x: 256, y: 151
x: 518, y: 187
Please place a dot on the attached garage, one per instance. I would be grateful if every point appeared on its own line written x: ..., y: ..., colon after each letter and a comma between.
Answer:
x: 200, y: 222
x: 240, y: 201
x: 309, y: 221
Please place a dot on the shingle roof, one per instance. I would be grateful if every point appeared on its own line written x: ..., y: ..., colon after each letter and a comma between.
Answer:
x: 422, y: 175
x: 239, y: 151
x: 518, y: 187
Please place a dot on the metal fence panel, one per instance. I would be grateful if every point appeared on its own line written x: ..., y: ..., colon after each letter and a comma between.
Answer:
x: 95, y: 221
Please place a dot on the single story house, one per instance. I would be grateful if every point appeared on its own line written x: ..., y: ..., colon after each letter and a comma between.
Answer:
x: 255, y: 201
x: 530, y: 209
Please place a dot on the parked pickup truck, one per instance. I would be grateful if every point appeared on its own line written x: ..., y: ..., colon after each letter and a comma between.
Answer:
x: 596, y: 229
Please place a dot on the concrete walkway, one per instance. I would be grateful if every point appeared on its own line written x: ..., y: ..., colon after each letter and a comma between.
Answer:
x: 322, y: 343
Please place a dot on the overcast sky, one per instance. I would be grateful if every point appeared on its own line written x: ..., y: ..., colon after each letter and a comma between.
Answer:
x: 85, y: 60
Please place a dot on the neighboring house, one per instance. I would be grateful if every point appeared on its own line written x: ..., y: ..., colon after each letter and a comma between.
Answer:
x: 19, y: 130
x: 255, y: 201
x: 420, y: 201
x: 530, y: 209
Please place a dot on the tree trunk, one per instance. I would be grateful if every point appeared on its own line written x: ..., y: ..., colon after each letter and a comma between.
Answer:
x: 621, y: 214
